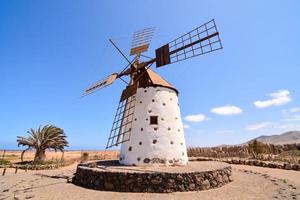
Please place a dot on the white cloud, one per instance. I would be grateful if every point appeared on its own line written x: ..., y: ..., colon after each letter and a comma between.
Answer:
x: 196, y: 118
x: 226, y: 110
x: 295, y: 110
x: 186, y: 126
x: 258, y: 126
x: 292, y: 114
x: 295, y: 117
x: 281, y: 127
x: 279, y: 97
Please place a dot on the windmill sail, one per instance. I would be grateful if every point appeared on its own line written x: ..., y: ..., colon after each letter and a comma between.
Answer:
x: 122, y: 125
x: 203, y: 39
x: 141, y: 41
x: 101, y: 84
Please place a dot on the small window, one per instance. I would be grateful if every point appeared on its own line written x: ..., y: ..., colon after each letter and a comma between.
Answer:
x: 130, y: 148
x: 153, y: 120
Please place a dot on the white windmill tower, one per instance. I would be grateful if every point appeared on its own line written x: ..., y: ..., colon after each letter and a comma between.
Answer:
x: 147, y: 123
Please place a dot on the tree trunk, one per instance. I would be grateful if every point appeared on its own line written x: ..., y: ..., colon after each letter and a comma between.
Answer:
x: 40, y: 156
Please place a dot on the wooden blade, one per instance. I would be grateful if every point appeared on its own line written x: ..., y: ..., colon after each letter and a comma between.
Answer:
x: 141, y: 41
x: 101, y: 84
x: 203, y: 39
x: 122, y: 125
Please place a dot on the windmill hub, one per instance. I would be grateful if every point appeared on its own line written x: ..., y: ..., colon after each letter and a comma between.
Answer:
x: 147, y: 123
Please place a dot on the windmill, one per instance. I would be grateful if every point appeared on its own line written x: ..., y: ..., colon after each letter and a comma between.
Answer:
x: 147, y: 123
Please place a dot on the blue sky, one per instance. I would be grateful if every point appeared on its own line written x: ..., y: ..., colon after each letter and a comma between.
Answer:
x: 50, y: 51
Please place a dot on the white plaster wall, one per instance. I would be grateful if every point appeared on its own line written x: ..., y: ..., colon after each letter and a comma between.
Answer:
x: 170, y: 147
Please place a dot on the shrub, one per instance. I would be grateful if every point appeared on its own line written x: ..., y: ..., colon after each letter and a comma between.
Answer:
x: 84, y: 156
x: 4, y: 162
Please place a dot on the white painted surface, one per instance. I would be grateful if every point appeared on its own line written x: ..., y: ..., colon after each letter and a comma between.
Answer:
x: 170, y: 146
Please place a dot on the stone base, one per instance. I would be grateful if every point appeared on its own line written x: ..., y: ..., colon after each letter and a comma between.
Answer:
x: 110, y: 175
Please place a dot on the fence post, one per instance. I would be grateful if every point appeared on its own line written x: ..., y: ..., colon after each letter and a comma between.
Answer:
x: 4, y: 170
x: 16, y: 170
x: 3, y: 154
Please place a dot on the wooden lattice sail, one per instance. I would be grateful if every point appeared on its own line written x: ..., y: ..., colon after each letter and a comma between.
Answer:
x: 122, y: 124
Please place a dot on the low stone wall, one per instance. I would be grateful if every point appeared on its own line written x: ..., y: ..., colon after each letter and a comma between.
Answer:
x: 258, y: 163
x: 32, y: 166
x: 38, y: 167
x: 160, y: 182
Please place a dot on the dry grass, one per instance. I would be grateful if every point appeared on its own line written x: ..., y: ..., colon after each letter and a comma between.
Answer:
x: 15, y: 156
x: 219, y: 152
x: 286, y: 155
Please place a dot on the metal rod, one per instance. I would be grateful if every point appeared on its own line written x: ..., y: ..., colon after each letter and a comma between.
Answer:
x: 119, y: 51
x: 128, y: 65
x: 146, y: 56
x: 123, y: 80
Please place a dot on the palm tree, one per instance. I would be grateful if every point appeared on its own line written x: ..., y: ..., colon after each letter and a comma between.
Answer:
x: 48, y: 137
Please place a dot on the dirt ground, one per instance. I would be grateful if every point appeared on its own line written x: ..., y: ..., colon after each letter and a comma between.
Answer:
x: 249, y: 183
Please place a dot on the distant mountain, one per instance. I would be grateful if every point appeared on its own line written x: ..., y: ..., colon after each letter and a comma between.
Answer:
x: 285, y: 138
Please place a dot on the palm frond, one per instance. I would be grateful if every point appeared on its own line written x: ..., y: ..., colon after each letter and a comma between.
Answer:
x: 46, y: 137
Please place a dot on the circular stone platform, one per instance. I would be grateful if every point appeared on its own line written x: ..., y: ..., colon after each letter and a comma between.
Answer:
x: 110, y: 175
